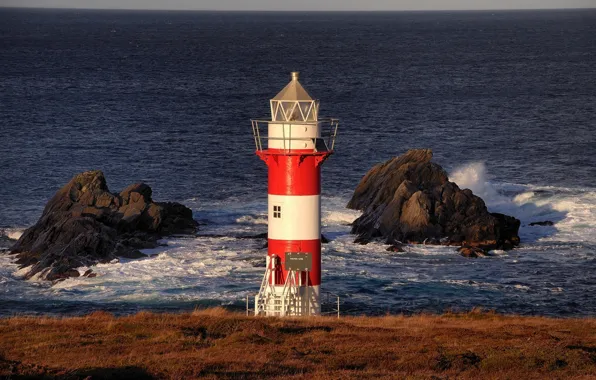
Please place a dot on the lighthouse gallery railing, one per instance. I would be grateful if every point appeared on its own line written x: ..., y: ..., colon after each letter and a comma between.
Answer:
x: 325, y: 143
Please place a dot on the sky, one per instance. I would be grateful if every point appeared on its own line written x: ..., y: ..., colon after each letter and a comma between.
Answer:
x: 313, y: 5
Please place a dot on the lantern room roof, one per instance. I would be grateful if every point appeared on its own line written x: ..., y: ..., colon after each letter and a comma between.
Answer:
x: 293, y: 91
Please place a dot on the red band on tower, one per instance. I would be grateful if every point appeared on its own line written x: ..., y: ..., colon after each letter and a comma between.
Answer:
x: 294, y: 175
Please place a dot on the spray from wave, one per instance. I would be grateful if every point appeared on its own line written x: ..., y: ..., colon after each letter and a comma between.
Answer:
x: 218, y: 267
x: 572, y: 211
x: 517, y: 200
x: 473, y: 176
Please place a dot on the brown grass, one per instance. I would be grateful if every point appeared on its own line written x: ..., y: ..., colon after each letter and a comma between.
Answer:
x: 218, y: 344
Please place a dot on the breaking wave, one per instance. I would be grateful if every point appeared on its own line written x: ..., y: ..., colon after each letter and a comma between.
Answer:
x: 572, y: 210
x: 218, y: 267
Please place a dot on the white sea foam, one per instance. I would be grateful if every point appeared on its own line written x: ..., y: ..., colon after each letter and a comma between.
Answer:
x: 226, y: 268
x: 333, y: 217
x: 497, y: 252
x: 13, y: 233
x: 335, y: 213
x: 191, y: 269
x: 523, y: 197
x: 473, y: 176
x: 252, y: 219
x: 21, y: 272
x: 573, y: 211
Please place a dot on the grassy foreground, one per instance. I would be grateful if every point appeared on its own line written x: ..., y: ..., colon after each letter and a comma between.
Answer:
x: 219, y: 344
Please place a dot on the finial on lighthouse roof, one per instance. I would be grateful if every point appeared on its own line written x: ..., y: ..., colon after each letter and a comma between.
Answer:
x: 293, y: 91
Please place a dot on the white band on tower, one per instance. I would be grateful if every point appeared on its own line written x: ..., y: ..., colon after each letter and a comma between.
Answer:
x: 294, y: 217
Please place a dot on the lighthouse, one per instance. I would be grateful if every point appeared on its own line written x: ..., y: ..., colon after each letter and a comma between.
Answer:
x: 294, y: 143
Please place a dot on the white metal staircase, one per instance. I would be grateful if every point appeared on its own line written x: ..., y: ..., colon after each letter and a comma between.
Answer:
x: 289, y: 299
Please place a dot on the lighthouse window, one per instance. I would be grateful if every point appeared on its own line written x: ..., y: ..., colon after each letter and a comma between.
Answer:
x: 277, y: 211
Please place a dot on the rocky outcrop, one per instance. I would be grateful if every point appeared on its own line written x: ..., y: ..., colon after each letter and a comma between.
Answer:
x: 471, y: 252
x: 5, y: 242
x: 409, y: 199
x: 543, y: 223
x: 85, y: 224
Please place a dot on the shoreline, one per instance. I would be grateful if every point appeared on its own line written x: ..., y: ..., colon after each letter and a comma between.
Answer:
x: 215, y: 343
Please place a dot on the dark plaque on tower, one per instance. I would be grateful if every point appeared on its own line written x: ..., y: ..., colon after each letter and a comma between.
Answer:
x: 298, y: 261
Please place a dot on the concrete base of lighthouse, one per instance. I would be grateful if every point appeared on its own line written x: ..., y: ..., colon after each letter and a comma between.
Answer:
x: 285, y: 301
x: 287, y: 293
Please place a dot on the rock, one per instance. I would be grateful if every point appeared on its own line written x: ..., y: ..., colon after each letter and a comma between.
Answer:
x: 72, y: 273
x: 396, y: 248
x: 472, y: 252
x: 545, y: 223
x: 175, y: 219
x: 363, y: 239
x: 410, y: 199
x: 84, y: 224
x: 257, y: 236
x: 5, y: 241
x: 137, y: 192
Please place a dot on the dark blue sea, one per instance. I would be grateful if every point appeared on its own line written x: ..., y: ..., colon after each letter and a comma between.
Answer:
x: 506, y: 100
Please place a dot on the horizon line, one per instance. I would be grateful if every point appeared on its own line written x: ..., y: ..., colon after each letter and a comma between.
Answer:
x: 299, y: 10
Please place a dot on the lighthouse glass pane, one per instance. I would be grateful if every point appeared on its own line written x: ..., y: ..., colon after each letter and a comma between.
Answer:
x: 279, y: 115
x: 305, y: 108
x: 292, y: 111
x: 287, y: 107
x: 277, y: 112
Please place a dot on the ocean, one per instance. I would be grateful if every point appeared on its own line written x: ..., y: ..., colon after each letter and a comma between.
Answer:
x: 506, y: 100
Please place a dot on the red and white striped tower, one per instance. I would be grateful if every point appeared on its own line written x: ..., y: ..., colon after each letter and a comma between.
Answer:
x: 297, y: 143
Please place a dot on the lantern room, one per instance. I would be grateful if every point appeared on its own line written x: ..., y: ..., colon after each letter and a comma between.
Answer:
x: 295, y: 125
x: 294, y: 103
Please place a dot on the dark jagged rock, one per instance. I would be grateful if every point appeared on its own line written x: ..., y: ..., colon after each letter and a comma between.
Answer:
x: 84, y: 224
x: 471, y: 252
x: 545, y: 223
x: 409, y: 199
x: 263, y: 235
x: 5, y: 241
x: 396, y: 248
